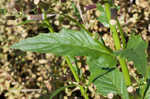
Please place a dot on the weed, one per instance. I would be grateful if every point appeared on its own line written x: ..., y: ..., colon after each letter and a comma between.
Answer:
x: 102, y: 61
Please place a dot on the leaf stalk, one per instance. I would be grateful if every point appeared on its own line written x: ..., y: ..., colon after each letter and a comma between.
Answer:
x: 118, y: 45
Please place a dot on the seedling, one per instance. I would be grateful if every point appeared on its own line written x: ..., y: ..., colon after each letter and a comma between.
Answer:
x: 102, y: 61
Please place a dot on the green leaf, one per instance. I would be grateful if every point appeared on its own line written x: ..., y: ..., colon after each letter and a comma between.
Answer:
x: 102, y: 18
x: 25, y: 22
x: 67, y: 42
x: 59, y: 90
x: 74, y: 64
x: 3, y: 11
x: 146, y: 92
x: 112, y: 82
x: 98, y: 66
x: 135, y: 52
x: 147, y: 96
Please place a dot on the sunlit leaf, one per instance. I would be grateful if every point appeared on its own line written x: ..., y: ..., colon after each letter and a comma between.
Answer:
x: 67, y: 42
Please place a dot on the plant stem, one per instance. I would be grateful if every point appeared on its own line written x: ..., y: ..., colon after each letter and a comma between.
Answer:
x: 71, y: 68
x: 121, y: 34
x: 77, y: 23
x: 125, y: 71
x: 49, y: 25
x: 50, y: 28
x: 83, y: 91
x: 115, y: 37
x: 118, y: 45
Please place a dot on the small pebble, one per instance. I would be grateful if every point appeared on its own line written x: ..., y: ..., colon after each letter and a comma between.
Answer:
x: 36, y: 2
x: 130, y: 89
x: 110, y: 96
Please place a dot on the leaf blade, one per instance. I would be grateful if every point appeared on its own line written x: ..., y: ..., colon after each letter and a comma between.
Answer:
x: 135, y: 52
x: 112, y: 82
x: 106, y: 77
x: 100, y: 65
x: 67, y: 42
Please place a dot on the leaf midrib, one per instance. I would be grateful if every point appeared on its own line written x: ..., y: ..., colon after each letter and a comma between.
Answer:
x: 47, y: 45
